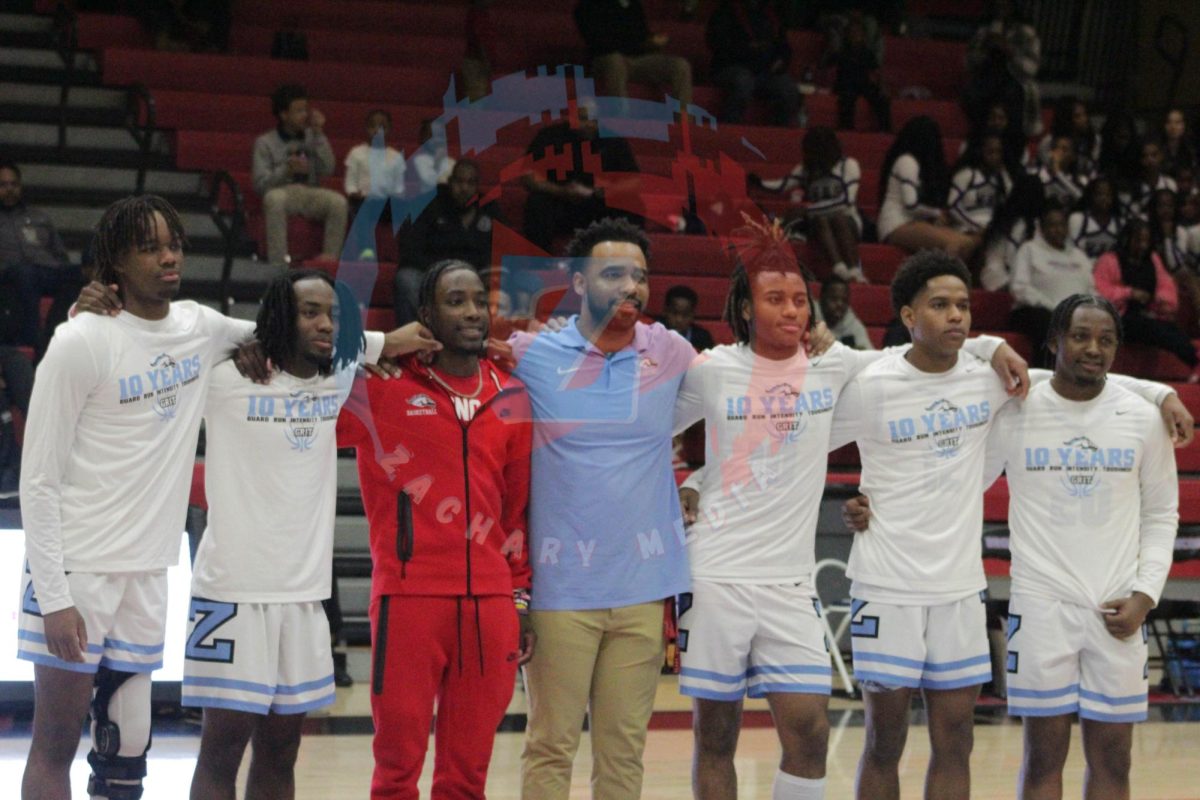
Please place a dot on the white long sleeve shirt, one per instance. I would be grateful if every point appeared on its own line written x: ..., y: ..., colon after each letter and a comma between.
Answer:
x: 374, y: 172
x: 111, y: 439
x: 902, y: 198
x: 768, y: 426
x: 1093, y: 495
x: 923, y: 437
x: 271, y: 482
x: 1043, y: 276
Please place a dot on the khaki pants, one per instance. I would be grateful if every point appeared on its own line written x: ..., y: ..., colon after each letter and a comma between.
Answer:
x: 616, y: 71
x: 313, y: 202
x: 605, y: 659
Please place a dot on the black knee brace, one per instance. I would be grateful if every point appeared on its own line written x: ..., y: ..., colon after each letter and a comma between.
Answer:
x: 106, y: 765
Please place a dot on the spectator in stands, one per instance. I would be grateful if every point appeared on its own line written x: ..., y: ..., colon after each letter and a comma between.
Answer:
x: 16, y: 385
x: 289, y: 163
x: 1071, y: 119
x: 1120, y: 152
x: 1094, y: 229
x: 1134, y: 279
x: 823, y: 189
x: 1151, y: 179
x: 679, y: 315
x: 750, y: 57
x: 431, y: 163
x: 1189, y: 222
x: 33, y: 263
x: 562, y: 201
x: 454, y: 226
x: 1013, y: 224
x: 1177, y: 148
x: 914, y: 184
x: 623, y: 50
x: 835, y: 311
x: 1185, y: 183
x: 1016, y: 154
x: 1172, y: 243
x: 1060, y: 175
x: 858, y: 75
x: 1168, y: 239
x: 1048, y: 269
x: 980, y: 184
x: 483, y: 40
x: 373, y: 168
x: 1003, y: 60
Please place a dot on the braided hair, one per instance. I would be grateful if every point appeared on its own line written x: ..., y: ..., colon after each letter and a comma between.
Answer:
x: 1060, y: 318
x: 128, y: 224
x: 275, y: 326
x: 762, y: 247
x: 427, y: 294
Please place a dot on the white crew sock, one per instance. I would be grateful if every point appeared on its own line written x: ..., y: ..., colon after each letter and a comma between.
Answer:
x: 793, y: 787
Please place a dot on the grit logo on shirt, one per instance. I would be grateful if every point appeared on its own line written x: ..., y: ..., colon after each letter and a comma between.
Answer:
x: 299, y: 413
x: 160, y: 384
x: 1079, y: 463
x: 942, y: 424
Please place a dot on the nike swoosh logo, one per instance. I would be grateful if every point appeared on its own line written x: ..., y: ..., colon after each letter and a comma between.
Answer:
x: 1120, y: 413
x: 567, y: 370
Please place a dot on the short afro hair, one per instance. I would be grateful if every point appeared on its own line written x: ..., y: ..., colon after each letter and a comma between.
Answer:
x: 920, y: 268
x: 283, y: 97
x: 608, y: 229
x: 679, y: 291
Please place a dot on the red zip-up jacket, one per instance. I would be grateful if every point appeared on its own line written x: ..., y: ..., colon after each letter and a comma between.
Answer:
x: 445, y: 499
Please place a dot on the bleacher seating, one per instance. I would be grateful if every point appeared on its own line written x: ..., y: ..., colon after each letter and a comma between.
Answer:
x: 400, y: 56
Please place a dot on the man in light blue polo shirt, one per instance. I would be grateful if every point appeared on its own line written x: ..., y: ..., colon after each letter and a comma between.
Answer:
x: 606, y: 536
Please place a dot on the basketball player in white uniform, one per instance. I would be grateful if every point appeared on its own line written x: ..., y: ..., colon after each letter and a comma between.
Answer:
x: 751, y: 625
x: 921, y: 421
x: 1093, y: 513
x: 258, y: 651
x: 108, y: 455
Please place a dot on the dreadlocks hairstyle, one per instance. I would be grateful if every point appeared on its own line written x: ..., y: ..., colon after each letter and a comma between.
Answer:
x: 758, y: 247
x: 128, y: 224
x: 920, y: 268
x: 427, y: 294
x: 608, y: 229
x: 1060, y: 319
x: 275, y: 327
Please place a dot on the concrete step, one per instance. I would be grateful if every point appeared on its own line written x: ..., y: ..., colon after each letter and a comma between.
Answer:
x: 116, y: 139
x: 25, y: 23
x: 39, y: 177
x: 49, y: 95
x: 76, y: 219
x: 352, y: 535
x: 43, y: 58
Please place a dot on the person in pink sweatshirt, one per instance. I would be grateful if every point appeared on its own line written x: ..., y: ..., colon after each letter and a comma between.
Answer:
x: 1134, y: 279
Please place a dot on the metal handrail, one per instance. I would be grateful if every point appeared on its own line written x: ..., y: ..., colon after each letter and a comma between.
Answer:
x: 230, y: 224
x: 140, y: 120
x: 66, y: 27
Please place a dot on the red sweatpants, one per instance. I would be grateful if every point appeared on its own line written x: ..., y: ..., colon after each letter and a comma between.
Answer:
x: 426, y: 649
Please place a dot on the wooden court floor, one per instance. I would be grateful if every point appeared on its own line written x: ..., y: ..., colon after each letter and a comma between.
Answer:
x: 1166, y: 764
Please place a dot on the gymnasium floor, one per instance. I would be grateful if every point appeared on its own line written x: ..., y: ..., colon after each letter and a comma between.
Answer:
x: 335, y: 758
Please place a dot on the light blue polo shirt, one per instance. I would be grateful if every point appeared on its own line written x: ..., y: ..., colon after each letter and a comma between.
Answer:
x: 605, y: 529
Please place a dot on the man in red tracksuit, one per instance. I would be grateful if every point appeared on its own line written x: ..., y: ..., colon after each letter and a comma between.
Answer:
x: 443, y: 462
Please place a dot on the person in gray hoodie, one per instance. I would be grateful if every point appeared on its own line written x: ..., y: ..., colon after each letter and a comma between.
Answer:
x: 289, y: 163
